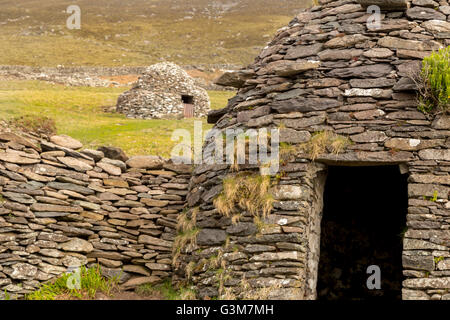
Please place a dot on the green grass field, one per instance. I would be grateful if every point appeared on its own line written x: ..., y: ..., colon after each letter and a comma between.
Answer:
x: 78, y: 112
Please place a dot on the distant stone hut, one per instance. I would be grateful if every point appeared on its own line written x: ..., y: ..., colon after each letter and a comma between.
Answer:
x: 363, y: 187
x: 164, y: 91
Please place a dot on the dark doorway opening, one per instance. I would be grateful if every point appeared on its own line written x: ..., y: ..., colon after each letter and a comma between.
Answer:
x: 188, y: 102
x: 364, y: 218
x: 187, y: 99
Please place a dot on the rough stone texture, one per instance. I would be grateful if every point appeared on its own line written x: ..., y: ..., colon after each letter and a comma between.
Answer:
x: 128, y: 213
x: 159, y: 92
x: 70, y: 212
x: 358, y: 89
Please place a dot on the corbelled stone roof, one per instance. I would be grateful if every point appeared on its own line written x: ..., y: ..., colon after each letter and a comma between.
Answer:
x: 330, y: 56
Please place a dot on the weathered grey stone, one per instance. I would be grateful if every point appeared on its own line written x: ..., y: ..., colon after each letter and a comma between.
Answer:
x: 77, y: 245
x: 414, y: 295
x: 136, y: 269
x: 260, y: 121
x: 293, y: 136
x: 427, y: 283
x: 405, y: 83
x: 410, y: 144
x: 442, y: 122
x: 211, y: 237
x: 418, y: 262
x: 288, y: 192
x: 23, y: 271
x: 145, y: 162
x: 70, y: 187
x: 109, y: 168
x: 379, y: 53
x: 385, y: 4
x: 305, y: 105
x: 146, y: 239
x: 277, y: 256
x: 444, y: 9
x: 158, y: 266
x: 436, y: 26
x: 154, y: 203
x: 17, y: 197
x: 56, y: 208
x: 242, y: 229
x: 346, y: 8
x: 428, y: 190
x: 303, y: 51
x: 113, y: 153
x: 290, y: 94
x: 66, y: 141
x: 409, y: 115
x: 397, y: 43
x: 75, y: 164
x: 435, y: 154
x: 345, y: 41
x: 370, y: 71
x: 369, y: 136
x: 286, y: 68
x: 138, y: 281
x: 372, y: 83
x: 422, y: 13
x: 245, y: 116
x: 345, y: 54
x: 16, y: 158
x: 94, y: 154
x: 234, y: 78
x: 375, y: 93
x: 402, y: 53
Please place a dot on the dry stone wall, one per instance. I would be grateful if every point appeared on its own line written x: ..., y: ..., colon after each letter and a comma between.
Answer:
x: 328, y: 71
x: 61, y: 208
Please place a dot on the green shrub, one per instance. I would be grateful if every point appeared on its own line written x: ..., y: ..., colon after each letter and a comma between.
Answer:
x: 91, y: 282
x: 435, y: 91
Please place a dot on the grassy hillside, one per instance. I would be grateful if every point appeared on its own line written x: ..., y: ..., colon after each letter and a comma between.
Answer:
x: 78, y: 112
x: 140, y: 32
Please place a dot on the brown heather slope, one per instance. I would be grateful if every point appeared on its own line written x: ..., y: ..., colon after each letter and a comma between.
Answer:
x: 140, y: 32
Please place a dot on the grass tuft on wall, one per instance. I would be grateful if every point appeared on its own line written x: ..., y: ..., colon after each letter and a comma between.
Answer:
x: 434, y: 86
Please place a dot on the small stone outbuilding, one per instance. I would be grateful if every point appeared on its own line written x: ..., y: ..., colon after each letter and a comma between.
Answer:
x: 375, y: 197
x: 165, y: 90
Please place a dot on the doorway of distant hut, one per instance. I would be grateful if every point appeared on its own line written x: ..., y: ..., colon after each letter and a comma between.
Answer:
x: 188, y: 102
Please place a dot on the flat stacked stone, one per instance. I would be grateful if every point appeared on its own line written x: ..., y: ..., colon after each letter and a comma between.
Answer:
x: 61, y: 208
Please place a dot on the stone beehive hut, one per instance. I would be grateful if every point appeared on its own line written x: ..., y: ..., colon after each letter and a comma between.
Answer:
x: 165, y: 90
x: 358, y: 209
x: 364, y: 179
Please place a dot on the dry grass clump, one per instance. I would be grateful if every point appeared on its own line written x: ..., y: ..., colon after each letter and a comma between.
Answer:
x: 187, y: 233
x: 40, y: 125
x: 245, y: 191
x: 325, y: 141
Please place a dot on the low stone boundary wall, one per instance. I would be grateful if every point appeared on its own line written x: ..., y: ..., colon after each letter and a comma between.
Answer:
x: 61, y: 208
